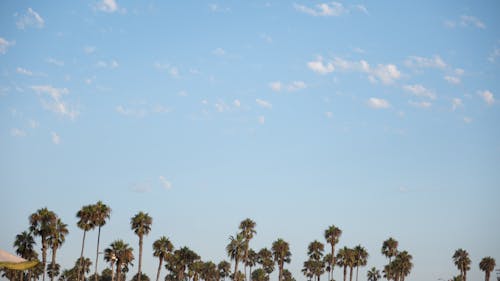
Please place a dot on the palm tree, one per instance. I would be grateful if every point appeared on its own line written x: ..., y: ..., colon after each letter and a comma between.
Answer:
x: 235, y: 250
x: 24, y: 244
x: 332, y: 236
x: 327, y: 259
x: 462, y: 261
x: 259, y: 275
x: 247, y: 228
x: 390, y: 248
x: 252, y: 259
x: 120, y: 253
x: 141, y: 225
x: 85, y: 223
x: 266, y: 260
x: 361, y: 258
x: 487, y: 265
x: 343, y: 259
x: 161, y: 248
x: 224, y: 269
x: 373, y: 274
x: 100, y: 213
x: 403, y: 264
x: 59, y: 230
x: 209, y: 272
x: 315, y: 263
x: 282, y: 255
x: 40, y: 225
x: 287, y: 276
x: 351, y: 262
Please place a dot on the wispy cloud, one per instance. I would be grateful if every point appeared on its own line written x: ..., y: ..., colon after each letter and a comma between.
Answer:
x: 487, y: 96
x: 24, y: 71
x: 329, y: 114
x: 172, y: 70
x: 5, y: 45
x: 108, y: 6
x: 56, y: 139
x: 456, y: 103
x: 165, y: 183
x: 141, y: 187
x: 89, y: 49
x: 423, y: 62
x: 464, y: 21
x: 15, y: 132
x: 319, y: 67
x: 264, y: 103
x: 420, y: 104
x: 334, y: 9
x: 377, y: 103
x: 111, y: 64
x: 216, y: 8
x: 277, y: 86
x: 493, y: 55
x: 420, y: 91
x: 30, y: 19
x: 55, y: 103
x: 452, y: 79
x: 141, y: 109
x: 55, y: 62
x: 219, y: 52
x: 361, y: 8
x: 261, y: 119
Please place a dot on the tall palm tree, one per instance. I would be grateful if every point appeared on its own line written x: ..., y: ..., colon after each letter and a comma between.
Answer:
x: 287, y: 276
x: 59, y: 230
x: 373, y: 274
x: 342, y: 259
x: 361, y: 258
x: 259, y: 275
x: 487, y: 265
x: 100, y: 213
x: 247, y: 228
x: 252, y: 260
x: 40, y: 225
x: 390, y: 248
x: 462, y: 261
x: 327, y: 260
x: 351, y: 262
x: 315, y: 262
x: 24, y: 244
x: 141, y: 225
x: 161, y: 248
x: 403, y: 264
x: 235, y: 250
x: 85, y: 223
x: 332, y: 236
x: 282, y: 255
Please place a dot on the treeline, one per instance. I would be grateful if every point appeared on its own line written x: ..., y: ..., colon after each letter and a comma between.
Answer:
x: 183, y: 264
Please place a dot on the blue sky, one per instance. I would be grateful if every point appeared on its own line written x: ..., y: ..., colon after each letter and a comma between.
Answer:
x: 378, y: 117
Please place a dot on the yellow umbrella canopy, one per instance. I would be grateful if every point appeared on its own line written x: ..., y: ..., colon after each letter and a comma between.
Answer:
x: 10, y: 261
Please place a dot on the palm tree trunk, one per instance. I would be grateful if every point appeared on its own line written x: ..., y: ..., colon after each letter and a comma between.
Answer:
x: 140, y: 258
x: 333, y: 262
x: 465, y: 275
x: 97, y: 253
x: 81, y: 256
x: 118, y: 269
x: 44, y: 256
x: 54, y: 250
x: 280, y: 276
x: 29, y: 274
x: 159, y: 268
x: 357, y: 269
x: 236, y: 260
x: 350, y: 273
x: 345, y: 272
x: 112, y: 271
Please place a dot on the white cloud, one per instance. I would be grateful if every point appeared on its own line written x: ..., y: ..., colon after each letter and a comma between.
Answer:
x: 470, y: 20
x: 420, y: 91
x: 56, y: 139
x: 492, y: 57
x: 15, y: 132
x: 421, y: 104
x: 264, y: 103
x: 111, y: 64
x: 386, y: 73
x: 237, y: 103
x: 174, y: 72
x: 5, y: 44
x: 296, y: 85
x: 30, y: 19
x: 165, y: 183
x: 141, y: 109
x: 266, y: 38
x: 108, y: 6
x: 423, y: 62
x: 215, y: 8
x: 221, y: 106
x: 487, y: 97
x: 467, y: 120
x: 275, y: 86
x: 323, y: 9
x: 55, y: 62
x: 378, y: 103
x: 24, y: 71
x: 56, y: 103
x: 219, y: 52
x: 456, y: 103
x: 329, y: 114
x: 452, y: 79
x: 261, y: 119
x: 33, y: 123
x: 459, y: 71
x: 318, y: 66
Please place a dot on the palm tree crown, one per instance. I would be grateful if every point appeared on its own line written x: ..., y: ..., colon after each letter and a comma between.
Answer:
x: 141, y: 225
x: 487, y: 264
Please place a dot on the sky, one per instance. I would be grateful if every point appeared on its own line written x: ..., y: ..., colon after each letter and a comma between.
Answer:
x: 379, y: 117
